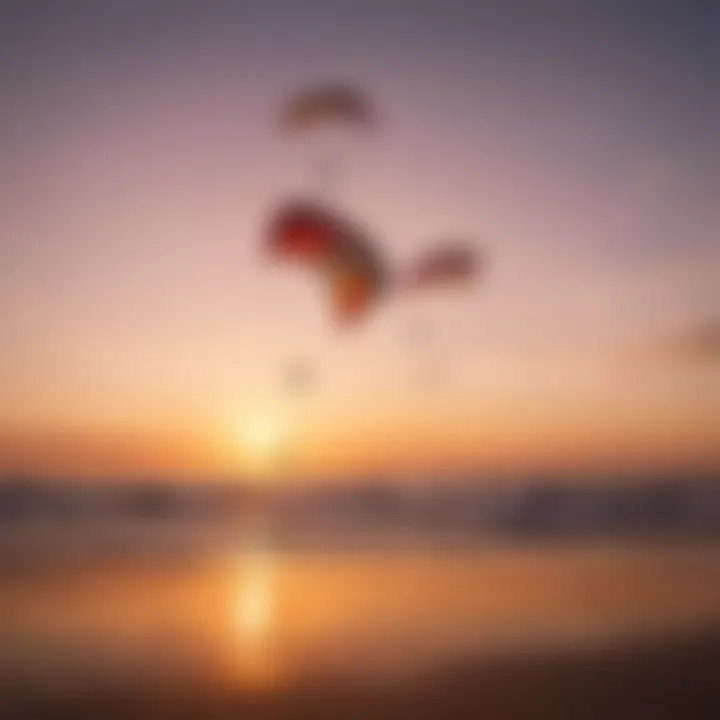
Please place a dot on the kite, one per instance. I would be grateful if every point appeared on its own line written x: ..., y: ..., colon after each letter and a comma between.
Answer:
x: 446, y: 266
x: 336, y: 249
x: 327, y: 104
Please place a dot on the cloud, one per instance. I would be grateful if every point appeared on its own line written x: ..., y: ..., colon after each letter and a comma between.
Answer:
x: 699, y: 343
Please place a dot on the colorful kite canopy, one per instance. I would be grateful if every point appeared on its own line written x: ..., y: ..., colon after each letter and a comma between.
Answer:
x: 336, y: 249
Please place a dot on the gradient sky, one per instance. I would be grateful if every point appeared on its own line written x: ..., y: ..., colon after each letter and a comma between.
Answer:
x: 578, y: 141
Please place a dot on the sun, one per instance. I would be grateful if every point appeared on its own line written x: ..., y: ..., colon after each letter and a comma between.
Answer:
x: 261, y: 438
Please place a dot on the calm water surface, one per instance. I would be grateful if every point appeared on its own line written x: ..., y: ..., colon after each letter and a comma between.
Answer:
x: 258, y: 618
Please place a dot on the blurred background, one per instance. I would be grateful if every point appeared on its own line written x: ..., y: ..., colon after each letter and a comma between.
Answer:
x: 500, y: 499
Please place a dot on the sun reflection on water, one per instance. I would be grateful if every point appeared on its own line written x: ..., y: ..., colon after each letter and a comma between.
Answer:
x: 255, y: 598
x: 254, y: 615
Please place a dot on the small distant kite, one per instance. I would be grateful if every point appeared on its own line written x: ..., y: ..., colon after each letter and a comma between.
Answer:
x: 327, y: 104
x: 316, y: 112
x: 450, y: 265
x: 300, y: 377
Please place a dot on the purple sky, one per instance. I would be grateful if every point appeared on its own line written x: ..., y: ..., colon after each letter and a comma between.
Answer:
x: 578, y: 141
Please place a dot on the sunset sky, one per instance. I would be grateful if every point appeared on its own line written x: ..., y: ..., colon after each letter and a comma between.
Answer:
x: 141, y: 330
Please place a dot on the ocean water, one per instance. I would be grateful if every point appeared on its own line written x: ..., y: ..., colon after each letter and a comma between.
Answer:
x: 246, y: 614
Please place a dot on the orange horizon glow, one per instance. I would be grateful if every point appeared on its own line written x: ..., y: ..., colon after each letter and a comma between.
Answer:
x: 527, y: 449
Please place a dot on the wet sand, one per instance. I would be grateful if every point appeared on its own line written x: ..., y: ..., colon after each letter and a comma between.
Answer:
x: 664, y: 678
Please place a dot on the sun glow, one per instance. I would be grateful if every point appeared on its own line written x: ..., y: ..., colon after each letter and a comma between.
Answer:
x: 261, y: 439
